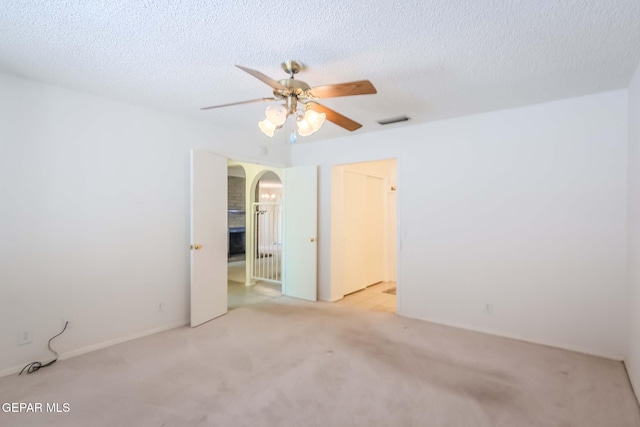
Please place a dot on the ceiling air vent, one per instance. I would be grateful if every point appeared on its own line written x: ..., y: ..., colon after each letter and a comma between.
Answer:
x: 393, y: 120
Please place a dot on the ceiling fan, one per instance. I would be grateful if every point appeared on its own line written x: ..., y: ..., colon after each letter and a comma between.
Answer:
x: 296, y: 92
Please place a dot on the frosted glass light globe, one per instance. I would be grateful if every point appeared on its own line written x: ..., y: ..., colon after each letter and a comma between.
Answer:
x: 276, y: 114
x: 267, y: 127
x: 304, y: 128
x: 315, y: 119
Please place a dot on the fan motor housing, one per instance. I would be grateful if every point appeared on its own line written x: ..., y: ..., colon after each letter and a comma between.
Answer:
x: 296, y: 87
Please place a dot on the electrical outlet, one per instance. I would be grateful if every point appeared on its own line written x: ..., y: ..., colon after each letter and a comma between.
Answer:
x: 66, y: 319
x: 160, y: 306
x: 24, y: 337
x: 488, y: 308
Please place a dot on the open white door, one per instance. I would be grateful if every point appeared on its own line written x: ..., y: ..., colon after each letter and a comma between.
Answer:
x: 208, y: 236
x: 300, y: 232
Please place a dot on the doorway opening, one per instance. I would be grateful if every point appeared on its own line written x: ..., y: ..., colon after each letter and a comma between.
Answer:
x: 254, y: 221
x: 364, y: 235
x: 236, y: 221
x: 210, y: 248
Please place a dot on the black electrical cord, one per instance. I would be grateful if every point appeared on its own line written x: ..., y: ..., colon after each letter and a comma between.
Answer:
x: 34, y: 366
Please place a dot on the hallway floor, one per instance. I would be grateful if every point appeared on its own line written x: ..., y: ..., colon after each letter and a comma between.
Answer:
x: 236, y: 271
x: 372, y: 298
x: 241, y: 295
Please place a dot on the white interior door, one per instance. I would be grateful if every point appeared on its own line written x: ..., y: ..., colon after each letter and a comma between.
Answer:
x: 375, y: 214
x: 355, y: 232
x: 300, y: 232
x: 363, y: 246
x: 209, y: 236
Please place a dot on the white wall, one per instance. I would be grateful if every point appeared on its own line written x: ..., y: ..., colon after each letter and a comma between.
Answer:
x: 524, y: 209
x: 633, y: 356
x: 94, y: 216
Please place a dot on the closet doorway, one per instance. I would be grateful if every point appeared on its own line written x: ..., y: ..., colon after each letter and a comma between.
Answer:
x: 364, y: 234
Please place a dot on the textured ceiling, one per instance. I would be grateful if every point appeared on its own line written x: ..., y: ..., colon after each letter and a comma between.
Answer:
x: 429, y: 59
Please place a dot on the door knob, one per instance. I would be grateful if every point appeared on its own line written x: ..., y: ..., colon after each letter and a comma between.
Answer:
x: 196, y: 247
x: 311, y: 239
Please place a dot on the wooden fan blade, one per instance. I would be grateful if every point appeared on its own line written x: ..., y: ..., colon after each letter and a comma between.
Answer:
x: 361, y: 87
x: 266, y: 79
x: 335, y: 117
x: 241, y: 102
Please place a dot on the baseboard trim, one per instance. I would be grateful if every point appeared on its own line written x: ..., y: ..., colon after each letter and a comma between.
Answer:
x: 577, y: 349
x: 104, y: 344
x: 329, y: 299
x: 636, y: 390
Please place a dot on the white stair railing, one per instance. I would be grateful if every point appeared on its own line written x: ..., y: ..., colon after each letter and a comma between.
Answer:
x: 266, y: 248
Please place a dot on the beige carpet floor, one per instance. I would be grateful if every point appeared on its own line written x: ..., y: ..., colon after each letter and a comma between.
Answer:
x: 290, y: 363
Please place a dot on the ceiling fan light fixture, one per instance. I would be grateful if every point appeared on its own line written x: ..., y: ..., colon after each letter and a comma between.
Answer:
x: 276, y: 114
x: 304, y: 127
x: 267, y: 127
x: 315, y: 119
x: 296, y: 92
